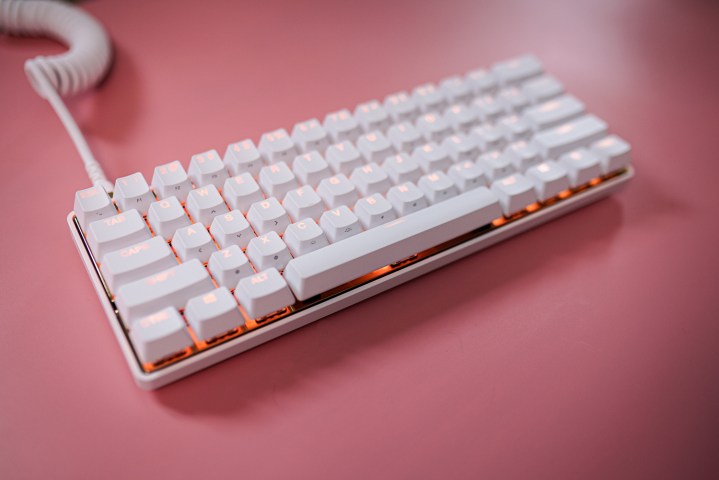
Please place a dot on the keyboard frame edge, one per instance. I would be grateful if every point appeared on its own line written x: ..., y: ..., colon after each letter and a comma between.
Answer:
x: 207, y: 358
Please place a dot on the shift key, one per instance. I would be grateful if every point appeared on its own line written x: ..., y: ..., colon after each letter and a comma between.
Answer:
x: 565, y: 138
x: 170, y: 288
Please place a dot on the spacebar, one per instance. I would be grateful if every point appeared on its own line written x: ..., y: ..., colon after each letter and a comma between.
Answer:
x: 349, y: 259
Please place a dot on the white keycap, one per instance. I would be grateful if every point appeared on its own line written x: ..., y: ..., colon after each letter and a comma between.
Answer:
x: 302, y: 203
x: 495, y: 165
x: 429, y: 98
x: 92, y: 204
x: 193, y: 242
x: 229, y: 265
x: 488, y: 137
x: 514, y: 192
x: 277, y: 146
x: 372, y: 116
x: 456, y: 90
x: 116, y: 232
x: 243, y: 157
x: 404, y: 137
x: 481, y: 81
x: 172, y: 287
x: 374, y: 147
x: 310, y: 168
x: 513, y: 99
x: 406, y: 198
x: 166, y: 216
x: 337, y: 190
x: 437, y: 187
x: 341, y: 262
x: 401, y: 168
x: 341, y: 126
x: 461, y: 118
x: 263, y: 293
x: 343, y: 157
x: 488, y: 108
x: 613, y: 152
x: 242, y: 191
x: 136, y: 261
x: 232, y: 229
x: 304, y: 237
x: 171, y: 180
x: 213, y: 314
x: 268, y: 251
x: 160, y: 335
x: 467, y: 175
x: 542, y: 88
x: 517, y: 69
x: 433, y: 127
x: 374, y: 211
x: 276, y: 180
x: 522, y: 155
x: 268, y: 216
x: 582, y: 166
x: 549, y: 179
x: 370, y: 178
x: 565, y: 138
x: 309, y: 135
x: 205, y: 203
x: 340, y: 223
x: 133, y: 192
x: 461, y: 147
x: 553, y: 112
x: 207, y: 169
x: 432, y: 157
x: 514, y: 128
x: 401, y: 107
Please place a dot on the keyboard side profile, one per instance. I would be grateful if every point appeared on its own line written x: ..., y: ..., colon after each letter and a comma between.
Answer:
x: 203, y: 264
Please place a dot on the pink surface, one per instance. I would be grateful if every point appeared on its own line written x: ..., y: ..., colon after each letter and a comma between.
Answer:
x: 588, y: 348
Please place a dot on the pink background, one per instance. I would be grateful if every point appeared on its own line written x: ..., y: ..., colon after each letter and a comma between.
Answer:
x: 588, y: 348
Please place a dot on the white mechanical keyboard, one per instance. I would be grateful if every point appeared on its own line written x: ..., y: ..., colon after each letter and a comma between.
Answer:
x: 206, y: 262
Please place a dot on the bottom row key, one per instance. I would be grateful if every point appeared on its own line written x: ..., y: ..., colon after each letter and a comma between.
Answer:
x: 514, y: 192
x: 160, y: 335
x: 263, y: 293
x: 213, y: 314
x: 549, y: 178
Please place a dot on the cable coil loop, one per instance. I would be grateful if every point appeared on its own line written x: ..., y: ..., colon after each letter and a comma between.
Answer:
x: 85, y: 63
x: 90, y: 52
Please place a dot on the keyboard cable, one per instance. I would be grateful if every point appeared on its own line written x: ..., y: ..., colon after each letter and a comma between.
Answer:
x: 81, y: 67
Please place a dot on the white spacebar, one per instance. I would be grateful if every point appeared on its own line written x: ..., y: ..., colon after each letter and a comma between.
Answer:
x: 341, y: 262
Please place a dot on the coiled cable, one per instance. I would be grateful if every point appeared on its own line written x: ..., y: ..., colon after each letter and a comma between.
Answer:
x: 84, y: 64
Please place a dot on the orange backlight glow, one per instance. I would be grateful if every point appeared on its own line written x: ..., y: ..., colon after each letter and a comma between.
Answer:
x: 252, y: 324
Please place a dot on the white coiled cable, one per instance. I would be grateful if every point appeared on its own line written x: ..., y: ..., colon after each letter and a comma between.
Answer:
x: 85, y: 63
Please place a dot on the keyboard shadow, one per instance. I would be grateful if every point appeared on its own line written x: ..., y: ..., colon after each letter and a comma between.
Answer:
x: 257, y: 380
